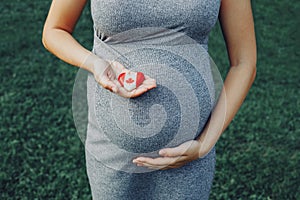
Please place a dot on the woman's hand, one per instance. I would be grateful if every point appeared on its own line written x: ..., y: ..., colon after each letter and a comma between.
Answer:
x: 173, y: 157
x: 106, y: 74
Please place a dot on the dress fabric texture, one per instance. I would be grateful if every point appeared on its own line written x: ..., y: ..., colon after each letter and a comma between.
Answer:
x: 161, y: 38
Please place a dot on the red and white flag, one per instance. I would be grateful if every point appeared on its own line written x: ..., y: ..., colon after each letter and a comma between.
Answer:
x: 131, y: 80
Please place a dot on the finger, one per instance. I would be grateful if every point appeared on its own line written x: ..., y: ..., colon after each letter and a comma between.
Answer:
x: 156, y: 167
x: 160, y: 161
x: 122, y: 91
x: 111, y: 75
x: 149, y: 84
x: 172, y: 152
x: 139, y: 91
x: 142, y: 89
x: 108, y: 84
x: 134, y: 93
x: 118, y: 67
x: 168, y: 163
x: 149, y: 80
x: 189, y: 148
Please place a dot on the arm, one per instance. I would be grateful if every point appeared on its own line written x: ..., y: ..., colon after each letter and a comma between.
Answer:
x: 57, y: 38
x: 238, y: 29
x: 58, y: 29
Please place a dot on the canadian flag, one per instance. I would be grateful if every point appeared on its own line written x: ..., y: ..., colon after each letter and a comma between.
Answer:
x: 131, y: 80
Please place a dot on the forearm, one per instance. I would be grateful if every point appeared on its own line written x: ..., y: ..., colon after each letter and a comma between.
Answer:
x: 236, y: 86
x: 64, y: 46
x: 57, y: 34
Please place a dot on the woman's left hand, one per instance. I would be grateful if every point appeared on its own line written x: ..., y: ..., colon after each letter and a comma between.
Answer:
x: 172, y: 157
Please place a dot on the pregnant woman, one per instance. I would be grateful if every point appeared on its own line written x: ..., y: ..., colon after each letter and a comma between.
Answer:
x: 155, y: 140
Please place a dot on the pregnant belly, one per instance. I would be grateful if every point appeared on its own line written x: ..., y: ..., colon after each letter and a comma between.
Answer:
x: 166, y: 116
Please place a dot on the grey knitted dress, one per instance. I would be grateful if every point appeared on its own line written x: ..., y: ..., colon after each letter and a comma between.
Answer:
x: 167, y: 40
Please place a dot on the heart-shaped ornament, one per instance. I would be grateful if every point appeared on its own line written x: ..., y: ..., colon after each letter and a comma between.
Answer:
x: 131, y: 80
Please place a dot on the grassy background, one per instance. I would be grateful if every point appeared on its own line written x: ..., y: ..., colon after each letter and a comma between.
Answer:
x: 43, y: 158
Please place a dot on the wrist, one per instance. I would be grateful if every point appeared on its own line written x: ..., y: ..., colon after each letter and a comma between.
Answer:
x: 92, y: 63
x: 203, y: 151
x: 204, y: 148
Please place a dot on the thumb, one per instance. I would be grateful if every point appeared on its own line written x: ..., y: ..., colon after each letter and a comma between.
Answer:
x: 172, y: 152
x: 108, y: 84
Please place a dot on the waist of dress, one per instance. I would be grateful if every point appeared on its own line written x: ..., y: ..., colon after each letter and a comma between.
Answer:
x: 154, y: 36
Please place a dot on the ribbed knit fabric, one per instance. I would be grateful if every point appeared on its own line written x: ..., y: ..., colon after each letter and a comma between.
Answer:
x: 167, y: 40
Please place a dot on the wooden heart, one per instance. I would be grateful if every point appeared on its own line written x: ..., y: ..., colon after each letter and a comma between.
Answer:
x: 131, y: 80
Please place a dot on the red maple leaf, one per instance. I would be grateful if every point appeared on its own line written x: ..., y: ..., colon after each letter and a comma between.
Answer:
x: 129, y: 81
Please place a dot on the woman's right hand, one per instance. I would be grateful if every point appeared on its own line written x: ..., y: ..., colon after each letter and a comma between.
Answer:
x: 106, y: 74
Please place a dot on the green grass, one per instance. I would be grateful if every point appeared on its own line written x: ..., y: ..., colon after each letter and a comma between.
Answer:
x: 43, y: 158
